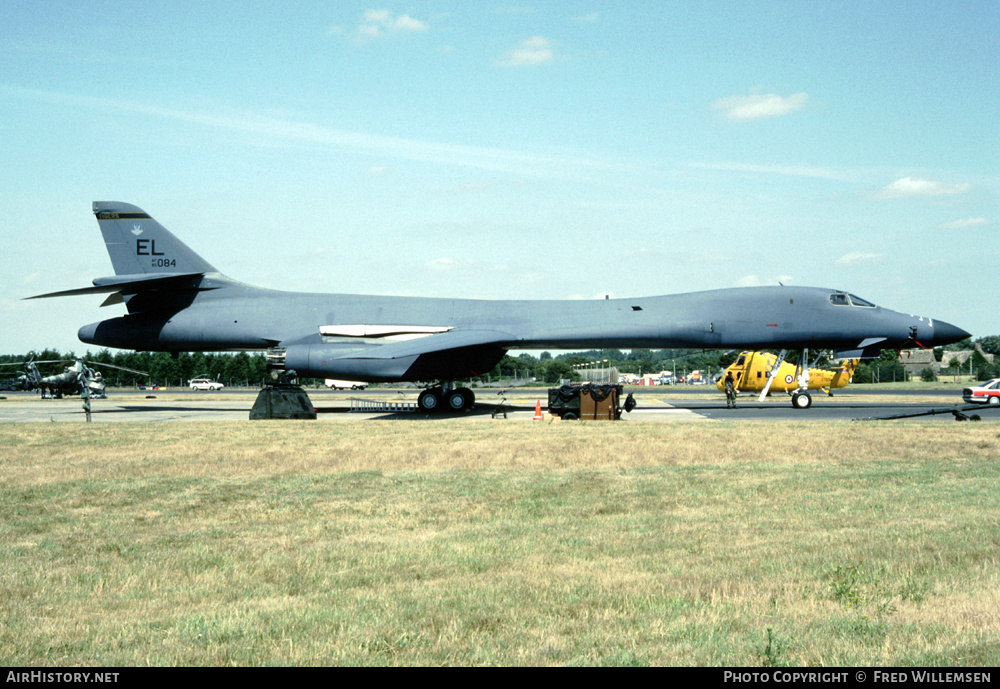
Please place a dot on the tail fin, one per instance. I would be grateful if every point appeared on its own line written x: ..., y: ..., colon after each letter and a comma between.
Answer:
x: 138, y: 244
x: 845, y: 372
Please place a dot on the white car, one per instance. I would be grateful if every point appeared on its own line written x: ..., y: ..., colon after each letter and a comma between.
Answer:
x: 344, y: 384
x: 988, y: 392
x: 204, y: 384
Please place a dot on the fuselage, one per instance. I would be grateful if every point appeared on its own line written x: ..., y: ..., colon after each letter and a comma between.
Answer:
x: 226, y: 315
x: 177, y: 301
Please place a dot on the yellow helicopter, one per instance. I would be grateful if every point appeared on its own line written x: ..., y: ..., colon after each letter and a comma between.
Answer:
x: 763, y: 372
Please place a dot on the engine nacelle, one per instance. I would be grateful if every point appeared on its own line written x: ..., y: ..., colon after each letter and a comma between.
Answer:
x: 332, y: 361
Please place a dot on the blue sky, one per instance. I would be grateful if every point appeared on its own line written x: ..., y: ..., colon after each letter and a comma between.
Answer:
x: 507, y: 150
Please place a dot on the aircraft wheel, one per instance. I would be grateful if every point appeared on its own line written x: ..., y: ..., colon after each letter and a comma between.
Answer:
x: 460, y: 399
x: 429, y: 400
x: 569, y: 416
x: 802, y: 400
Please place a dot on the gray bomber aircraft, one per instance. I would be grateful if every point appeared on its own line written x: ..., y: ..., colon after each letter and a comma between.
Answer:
x: 177, y: 301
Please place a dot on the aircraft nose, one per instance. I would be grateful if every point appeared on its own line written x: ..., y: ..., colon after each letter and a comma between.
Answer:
x: 946, y: 333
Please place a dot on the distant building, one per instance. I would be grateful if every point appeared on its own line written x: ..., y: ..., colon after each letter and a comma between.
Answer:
x: 916, y: 360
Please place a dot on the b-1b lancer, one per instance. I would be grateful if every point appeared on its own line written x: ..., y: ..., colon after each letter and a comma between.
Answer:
x: 178, y: 301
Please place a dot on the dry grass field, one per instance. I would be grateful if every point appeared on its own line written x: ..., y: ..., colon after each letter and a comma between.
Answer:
x: 447, y: 543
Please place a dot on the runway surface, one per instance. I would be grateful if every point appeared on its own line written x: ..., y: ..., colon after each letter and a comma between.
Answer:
x: 657, y: 404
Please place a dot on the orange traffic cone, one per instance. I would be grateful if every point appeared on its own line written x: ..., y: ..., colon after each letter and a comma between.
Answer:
x: 538, y: 410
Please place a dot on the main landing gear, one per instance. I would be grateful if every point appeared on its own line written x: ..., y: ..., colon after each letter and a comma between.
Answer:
x: 446, y: 398
x: 801, y: 399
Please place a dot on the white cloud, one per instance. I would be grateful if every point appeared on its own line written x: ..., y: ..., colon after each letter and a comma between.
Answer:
x: 275, y: 130
x: 858, y: 257
x: 583, y: 297
x: 441, y: 264
x: 910, y: 186
x: 528, y: 53
x: 381, y: 23
x: 405, y: 22
x: 967, y: 222
x: 756, y: 281
x: 759, y: 105
x: 790, y: 170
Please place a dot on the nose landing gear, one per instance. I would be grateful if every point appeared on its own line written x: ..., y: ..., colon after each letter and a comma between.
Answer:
x: 801, y: 400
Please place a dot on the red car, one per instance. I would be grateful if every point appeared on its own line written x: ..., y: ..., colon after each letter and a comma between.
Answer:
x: 988, y: 392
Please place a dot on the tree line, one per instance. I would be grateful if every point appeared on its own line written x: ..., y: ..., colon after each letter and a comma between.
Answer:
x: 159, y: 368
x: 885, y: 368
x: 250, y: 369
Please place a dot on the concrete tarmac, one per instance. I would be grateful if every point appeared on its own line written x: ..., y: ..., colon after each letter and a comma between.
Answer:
x: 656, y: 404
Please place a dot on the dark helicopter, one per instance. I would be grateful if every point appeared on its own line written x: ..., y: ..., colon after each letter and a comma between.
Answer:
x: 79, y: 378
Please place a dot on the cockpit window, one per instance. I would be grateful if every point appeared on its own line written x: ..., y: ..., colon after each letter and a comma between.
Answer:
x: 841, y: 299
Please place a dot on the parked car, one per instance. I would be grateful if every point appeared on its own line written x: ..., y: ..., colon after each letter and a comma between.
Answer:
x: 344, y: 384
x: 204, y: 384
x: 988, y: 392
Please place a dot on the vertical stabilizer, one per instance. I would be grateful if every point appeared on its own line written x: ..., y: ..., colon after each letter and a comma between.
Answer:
x: 139, y: 244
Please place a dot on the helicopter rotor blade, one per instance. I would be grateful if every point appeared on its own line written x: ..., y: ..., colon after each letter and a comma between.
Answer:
x: 120, y: 368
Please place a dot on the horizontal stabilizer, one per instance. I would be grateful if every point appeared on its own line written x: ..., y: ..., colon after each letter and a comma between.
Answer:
x: 133, y: 284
